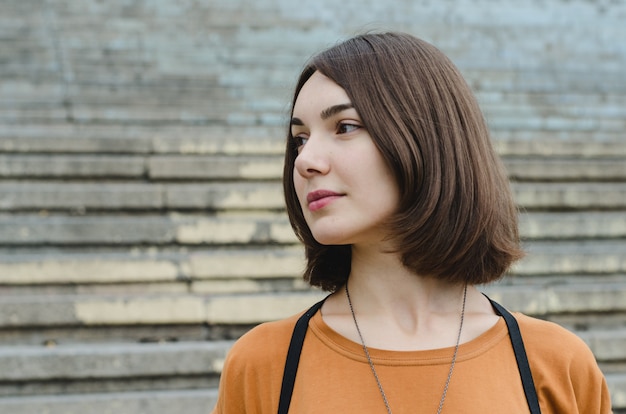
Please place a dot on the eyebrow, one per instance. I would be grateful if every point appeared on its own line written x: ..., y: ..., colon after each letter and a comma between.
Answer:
x: 326, y: 113
x: 334, y: 110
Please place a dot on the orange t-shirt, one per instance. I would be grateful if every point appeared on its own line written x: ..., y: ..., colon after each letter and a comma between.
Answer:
x: 334, y: 375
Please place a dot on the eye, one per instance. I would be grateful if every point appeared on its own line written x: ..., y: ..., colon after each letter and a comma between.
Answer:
x: 299, y: 141
x: 345, y: 127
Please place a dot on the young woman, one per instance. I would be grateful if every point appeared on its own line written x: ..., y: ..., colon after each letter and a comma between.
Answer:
x: 403, y: 207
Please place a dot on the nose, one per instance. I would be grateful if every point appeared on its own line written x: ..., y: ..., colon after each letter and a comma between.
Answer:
x: 313, y: 158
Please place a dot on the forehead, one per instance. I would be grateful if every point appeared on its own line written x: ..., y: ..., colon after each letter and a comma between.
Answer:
x: 318, y: 93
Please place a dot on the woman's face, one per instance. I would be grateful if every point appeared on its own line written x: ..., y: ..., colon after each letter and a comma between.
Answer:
x: 345, y: 188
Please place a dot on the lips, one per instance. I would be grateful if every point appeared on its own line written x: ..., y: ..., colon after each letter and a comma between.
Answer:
x: 321, y: 198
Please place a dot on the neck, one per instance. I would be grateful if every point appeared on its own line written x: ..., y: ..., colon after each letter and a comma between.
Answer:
x: 382, y: 282
x: 400, y: 310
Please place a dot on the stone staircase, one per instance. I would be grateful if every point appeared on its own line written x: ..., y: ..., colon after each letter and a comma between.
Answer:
x: 142, y: 226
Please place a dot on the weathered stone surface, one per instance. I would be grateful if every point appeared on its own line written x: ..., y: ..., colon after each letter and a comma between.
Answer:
x: 253, y: 264
x: 245, y: 286
x: 40, y: 363
x: 161, y: 139
x: 593, y: 257
x: 43, y: 229
x: 235, y: 168
x: 249, y: 309
x: 263, y: 167
x: 53, y: 139
x: 48, y: 166
x: 63, y: 196
x: 220, y: 140
x: 223, y: 230
x: 235, y: 196
x: 101, y: 310
x: 536, y: 169
x: 252, y: 228
x: 147, y: 402
x: 25, y: 311
x: 140, y: 309
x: 606, y: 345
x: 570, y: 195
x: 537, y: 299
x: 572, y: 225
x: 81, y: 230
x: 86, y: 268
x: 165, y: 309
x: 73, y: 196
x: 617, y: 388
x: 116, y: 266
x: 53, y: 114
x: 201, y: 92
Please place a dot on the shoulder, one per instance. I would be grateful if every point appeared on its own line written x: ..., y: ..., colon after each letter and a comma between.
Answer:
x: 564, y: 368
x: 552, y: 341
x: 266, y: 335
x: 260, y: 353
x: 265, y: 342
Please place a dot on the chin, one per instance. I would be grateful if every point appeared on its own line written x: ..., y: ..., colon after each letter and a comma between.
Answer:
x: 329, y: 242
x: 330, y: 239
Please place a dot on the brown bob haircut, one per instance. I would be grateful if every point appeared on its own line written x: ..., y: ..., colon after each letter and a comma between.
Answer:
x: 456, y: 219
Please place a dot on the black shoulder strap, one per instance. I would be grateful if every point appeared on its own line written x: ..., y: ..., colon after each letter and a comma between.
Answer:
x: 520, y: 356
x: 293, y: 357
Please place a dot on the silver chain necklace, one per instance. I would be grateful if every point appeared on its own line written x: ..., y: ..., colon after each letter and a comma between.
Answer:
x: 369, y: 359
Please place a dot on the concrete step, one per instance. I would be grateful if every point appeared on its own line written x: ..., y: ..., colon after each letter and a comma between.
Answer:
x: 141, y: 139
x: 269, y: 115
x: 49, y: 166
x: 570, y: 196
x: 252, y: 228
x: 212, y: 140
x: 559, y: 169
x: 539, y: 297
x: 126, y: 361
x: 572, y: 225
x: 549, y: 297
x: 196, y: 91
x: 16, y: 92
x: 162, y: 401
x: 193, y: 114
x: 581, y: 144
x: 71, y: 367
x: 607, y: 345
x: 216, y: 167
x: 265, y: 167
x: 165, y: 401
x: 593, y: 105
x: 84, y: 311
x: 42, y: 195
x: 81, y: 368
x: 555, y: 123
x: 74, y: 167
x: 54, y: 114
x: 248, y: 229
x: 572, y: 257
x: 566, y: 109
x: 124, y: 266
x: 617, y: 388
x: 212, y: 270
x: 268, y: 93
x: 539, y: 80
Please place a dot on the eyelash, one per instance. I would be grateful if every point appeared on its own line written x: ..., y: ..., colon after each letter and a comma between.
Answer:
x: 300, y: 140
x: 343, y: 125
